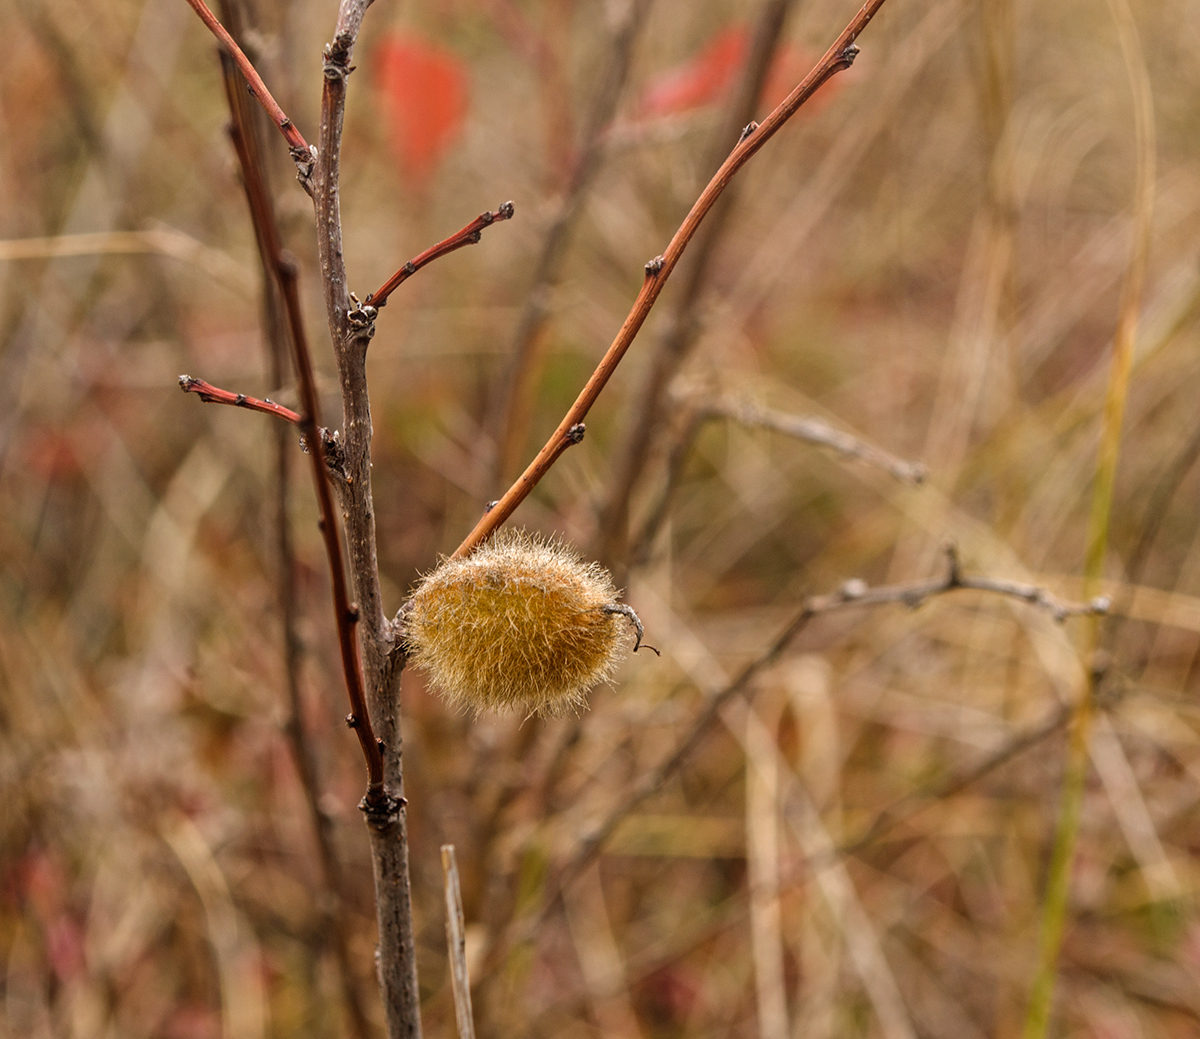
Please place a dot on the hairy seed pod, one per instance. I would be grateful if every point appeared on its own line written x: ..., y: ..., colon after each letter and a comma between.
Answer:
x: 520, y: 624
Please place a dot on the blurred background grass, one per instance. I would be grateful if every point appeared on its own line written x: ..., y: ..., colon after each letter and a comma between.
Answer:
x: 929, y: 257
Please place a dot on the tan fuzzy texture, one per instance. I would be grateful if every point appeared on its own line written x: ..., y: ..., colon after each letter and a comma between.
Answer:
x: 517, y: 625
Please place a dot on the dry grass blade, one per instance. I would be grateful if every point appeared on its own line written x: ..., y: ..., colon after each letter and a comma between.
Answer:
x: 456, y: 945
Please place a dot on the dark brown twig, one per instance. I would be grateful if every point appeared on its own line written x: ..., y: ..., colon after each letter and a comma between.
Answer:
x: 838, y: 58
x: 345, y: 612
x: 298, y: 147
x: 469, y: 235
x: 247, y: 132
x: 211, y: 394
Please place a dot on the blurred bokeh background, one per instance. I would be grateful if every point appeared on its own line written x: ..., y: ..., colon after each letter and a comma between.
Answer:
x: 930, y: 258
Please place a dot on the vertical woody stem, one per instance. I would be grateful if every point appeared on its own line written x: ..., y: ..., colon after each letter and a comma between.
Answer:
x: 382, y: 658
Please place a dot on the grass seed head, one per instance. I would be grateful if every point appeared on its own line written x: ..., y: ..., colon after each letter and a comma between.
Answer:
x: 520, y: 624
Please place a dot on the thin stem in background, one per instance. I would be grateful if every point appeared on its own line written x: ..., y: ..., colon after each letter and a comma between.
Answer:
x: 683, y: 327
x: 456, y: 945
x: 570, y: 431
x: 510, y: 413
x: 1058, y: 879
x: 696, y: 413
x: 247, y: 132
x: 298, y: 147
x: 814, y: 431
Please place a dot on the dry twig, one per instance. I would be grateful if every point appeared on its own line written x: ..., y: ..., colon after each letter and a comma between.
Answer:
x: 814, y: 431
x: 211, y: 394
x: 469, y: 235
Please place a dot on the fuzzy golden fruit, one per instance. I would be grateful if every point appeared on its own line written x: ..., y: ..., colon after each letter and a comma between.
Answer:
x: 520, y: 624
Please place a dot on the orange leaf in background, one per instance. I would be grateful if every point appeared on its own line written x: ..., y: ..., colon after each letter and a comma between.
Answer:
x: 424, y: 93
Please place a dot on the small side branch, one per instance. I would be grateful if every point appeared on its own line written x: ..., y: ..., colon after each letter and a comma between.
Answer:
x: 838, y: 58
x: 302, y: 154
x: 456, y: 943
x: 814, y: 431
x: 211, y: 394
x: 469, y: 235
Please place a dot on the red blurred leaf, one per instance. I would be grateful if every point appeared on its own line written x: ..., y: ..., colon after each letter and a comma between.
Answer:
x: 709, y: 75
x: 702, y: 79
x: 423, y: 90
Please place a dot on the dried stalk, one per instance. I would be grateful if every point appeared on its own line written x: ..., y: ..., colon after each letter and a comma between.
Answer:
x: 456, y: 945
x: 570, y: 430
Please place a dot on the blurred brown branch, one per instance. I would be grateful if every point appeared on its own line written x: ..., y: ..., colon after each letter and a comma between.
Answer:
x: 812, y: 430
x: 839, y: 57
x: 683, y: 324
x: 510, y: 412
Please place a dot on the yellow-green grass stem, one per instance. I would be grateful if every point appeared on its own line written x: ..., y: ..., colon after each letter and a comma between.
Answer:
x: 1055, y: 902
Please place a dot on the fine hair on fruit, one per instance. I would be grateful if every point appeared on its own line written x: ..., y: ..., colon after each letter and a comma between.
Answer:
x: 522, y: 623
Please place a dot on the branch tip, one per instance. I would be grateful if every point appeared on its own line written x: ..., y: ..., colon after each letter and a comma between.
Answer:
x: 628, y: 612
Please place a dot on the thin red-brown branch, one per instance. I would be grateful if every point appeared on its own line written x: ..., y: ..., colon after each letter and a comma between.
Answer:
x: 297, y: 145
x: 839, y: 57
x: 469, y: 235
x: 211, y: 394
x: 345, y: 612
